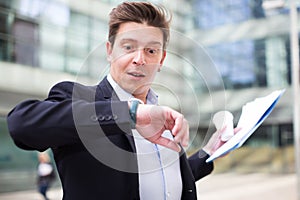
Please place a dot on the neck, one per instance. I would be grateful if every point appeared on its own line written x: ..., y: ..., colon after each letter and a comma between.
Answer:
x: 141, y: 97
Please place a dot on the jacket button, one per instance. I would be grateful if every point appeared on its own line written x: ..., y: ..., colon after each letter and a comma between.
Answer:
x: 115, y: 117
x: 94, y: 118
x: 108, y: 117
x: 101, y: 118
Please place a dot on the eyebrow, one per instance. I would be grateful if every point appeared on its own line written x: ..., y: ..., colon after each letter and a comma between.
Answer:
x: 133, y: 40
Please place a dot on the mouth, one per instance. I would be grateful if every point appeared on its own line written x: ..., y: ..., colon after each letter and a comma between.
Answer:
x: 136, y: 74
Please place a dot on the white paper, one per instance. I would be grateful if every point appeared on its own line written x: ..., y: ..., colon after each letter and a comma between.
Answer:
x: 252, y: 116
x: 224, y: 119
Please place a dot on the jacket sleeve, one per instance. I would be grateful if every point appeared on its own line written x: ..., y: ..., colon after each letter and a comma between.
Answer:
x: 63, y: 118
x: 200, y: 168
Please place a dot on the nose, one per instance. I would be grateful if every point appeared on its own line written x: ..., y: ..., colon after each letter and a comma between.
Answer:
x: 139, y: 57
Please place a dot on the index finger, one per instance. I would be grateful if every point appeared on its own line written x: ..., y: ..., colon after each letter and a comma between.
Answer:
x: 168, y: 143
x: 182, y: 136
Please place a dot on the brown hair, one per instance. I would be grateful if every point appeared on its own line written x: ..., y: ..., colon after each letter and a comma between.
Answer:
x: 139, y: 12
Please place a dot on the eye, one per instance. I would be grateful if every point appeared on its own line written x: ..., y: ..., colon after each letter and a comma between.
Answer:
x: 151, y: 51
x: 128, y: 48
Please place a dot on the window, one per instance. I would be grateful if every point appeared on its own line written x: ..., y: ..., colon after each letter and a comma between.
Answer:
x: 26, y: 37
x: 4, y: 35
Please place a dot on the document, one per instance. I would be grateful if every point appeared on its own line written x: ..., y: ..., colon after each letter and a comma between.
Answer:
x: 252, y: 116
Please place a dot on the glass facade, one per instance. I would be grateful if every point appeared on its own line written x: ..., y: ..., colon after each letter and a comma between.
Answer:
x: 49, y: 35
x: 245, y: 63
x: 245, y: 60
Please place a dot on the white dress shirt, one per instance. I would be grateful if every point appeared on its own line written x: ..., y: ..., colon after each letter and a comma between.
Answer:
x: 159, y: 168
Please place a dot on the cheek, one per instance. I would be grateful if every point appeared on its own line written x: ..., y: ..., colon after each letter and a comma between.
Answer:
x: 118, y: 63
x: 152, y: 71
x: 120, y: 58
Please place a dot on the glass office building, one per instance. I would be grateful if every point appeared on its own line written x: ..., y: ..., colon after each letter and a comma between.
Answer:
x: 222, y: 54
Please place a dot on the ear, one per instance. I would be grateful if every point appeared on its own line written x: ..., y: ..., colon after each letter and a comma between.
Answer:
x: 162, y: 60
x: 108, y: 51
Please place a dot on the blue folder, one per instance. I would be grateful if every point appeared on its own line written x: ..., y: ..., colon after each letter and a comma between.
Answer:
x: 240, y: 137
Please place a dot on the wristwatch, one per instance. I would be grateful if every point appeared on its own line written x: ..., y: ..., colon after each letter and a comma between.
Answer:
x: 134, y: 103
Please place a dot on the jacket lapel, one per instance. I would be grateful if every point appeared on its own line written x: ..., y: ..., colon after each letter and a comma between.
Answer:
x: 105, y: 90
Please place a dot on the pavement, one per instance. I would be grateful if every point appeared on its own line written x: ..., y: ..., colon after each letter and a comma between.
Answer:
x: 248, y: 187
x: 227, y: 186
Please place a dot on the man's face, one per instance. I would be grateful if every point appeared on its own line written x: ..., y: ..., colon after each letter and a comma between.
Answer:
x: 136, y: 56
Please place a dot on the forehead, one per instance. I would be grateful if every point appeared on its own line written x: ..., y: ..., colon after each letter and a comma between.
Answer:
x: 140, y: 33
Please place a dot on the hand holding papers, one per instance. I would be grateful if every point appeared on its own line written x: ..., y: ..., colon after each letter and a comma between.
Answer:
x: 253, y: 114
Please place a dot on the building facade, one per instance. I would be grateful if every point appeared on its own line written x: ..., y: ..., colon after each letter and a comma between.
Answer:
x: 222, y: 54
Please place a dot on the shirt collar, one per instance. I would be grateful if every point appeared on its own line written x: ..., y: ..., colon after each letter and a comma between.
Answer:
x: 151, y: 98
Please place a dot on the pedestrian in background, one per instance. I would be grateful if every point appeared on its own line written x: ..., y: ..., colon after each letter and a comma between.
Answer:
x: 45, y: 174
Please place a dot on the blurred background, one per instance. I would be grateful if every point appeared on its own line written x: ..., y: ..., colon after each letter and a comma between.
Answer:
x: 226, y: 52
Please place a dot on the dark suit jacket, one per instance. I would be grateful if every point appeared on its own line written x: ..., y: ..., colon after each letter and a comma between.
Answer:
x: 79, y: 123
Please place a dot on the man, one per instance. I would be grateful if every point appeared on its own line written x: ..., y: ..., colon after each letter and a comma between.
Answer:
x: 112, y: 141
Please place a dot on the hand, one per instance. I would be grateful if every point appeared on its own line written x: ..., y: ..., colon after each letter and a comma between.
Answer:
x: 152, y: 121
x: 215, y: 141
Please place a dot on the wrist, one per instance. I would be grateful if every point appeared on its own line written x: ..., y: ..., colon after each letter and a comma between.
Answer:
x: 206, y: 150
